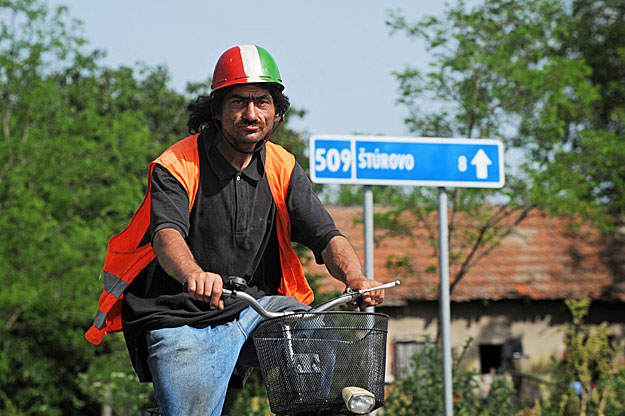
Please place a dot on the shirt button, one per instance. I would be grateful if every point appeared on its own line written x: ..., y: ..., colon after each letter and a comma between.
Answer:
x: 238, y: 177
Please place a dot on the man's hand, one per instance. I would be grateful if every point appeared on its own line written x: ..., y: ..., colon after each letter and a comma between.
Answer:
x: 373, y: 298
x: 343, y: 263
x: 206, y: 287
x: 176, y: 259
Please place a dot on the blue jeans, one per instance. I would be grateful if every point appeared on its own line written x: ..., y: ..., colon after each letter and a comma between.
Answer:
x: 191, y: 367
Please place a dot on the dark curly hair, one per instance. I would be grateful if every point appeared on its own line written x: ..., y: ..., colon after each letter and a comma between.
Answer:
x: 201, y: 109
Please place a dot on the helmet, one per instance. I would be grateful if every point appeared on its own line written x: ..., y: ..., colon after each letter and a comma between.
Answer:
x: 244, y: 64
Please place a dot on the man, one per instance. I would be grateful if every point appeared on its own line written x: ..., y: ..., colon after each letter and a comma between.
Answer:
x: 223, y: 202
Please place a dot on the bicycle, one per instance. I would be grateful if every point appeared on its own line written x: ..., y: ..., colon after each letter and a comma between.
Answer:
x: 321, y: 362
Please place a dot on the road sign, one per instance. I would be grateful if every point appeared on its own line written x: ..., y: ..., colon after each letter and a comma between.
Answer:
x: 381, y: 160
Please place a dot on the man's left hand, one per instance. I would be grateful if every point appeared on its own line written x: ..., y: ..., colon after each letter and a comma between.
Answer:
x: 373, y: 298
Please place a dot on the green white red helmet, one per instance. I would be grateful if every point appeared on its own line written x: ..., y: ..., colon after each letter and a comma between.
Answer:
x: 245, y: 64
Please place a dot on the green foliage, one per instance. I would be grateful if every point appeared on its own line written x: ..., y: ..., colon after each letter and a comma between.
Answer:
x: 251, y: 400
x: 597, y: 33
x: 590, y: 379
x: 291, y: 140
x: 76, y: 138
x: 534, y: 77
x: 120, y: 389
x: 546, y: 78
x: 421, y: 391
x: 353, y: 194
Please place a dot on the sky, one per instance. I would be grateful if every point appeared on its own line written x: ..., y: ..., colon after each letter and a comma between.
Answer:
x: 336, y: 57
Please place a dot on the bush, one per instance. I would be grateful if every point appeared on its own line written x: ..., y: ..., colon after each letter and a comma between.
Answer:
x: 421, y: 392
x: 590, y: 379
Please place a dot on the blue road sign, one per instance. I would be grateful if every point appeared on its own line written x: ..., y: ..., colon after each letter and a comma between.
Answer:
x: 381, y: 160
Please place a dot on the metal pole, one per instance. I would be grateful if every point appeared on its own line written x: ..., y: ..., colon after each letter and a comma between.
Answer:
x: 443, y: 243
x: 367, y: 196
x: 107, y: 409
x: 368, y: 231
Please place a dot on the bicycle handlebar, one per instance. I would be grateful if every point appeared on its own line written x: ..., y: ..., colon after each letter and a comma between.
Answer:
x: 352, y: 296
x: 251, y: 301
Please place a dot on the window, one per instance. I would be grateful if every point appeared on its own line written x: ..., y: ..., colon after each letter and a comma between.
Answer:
x: 500, y: 357
x: 404, y: 351
x: 490, y: 358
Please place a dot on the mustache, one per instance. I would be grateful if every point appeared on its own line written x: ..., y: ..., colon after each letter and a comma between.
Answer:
x: 246, y: 123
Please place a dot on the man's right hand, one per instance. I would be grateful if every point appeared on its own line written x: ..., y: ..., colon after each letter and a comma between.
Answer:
x: 206, y: 287
x: 176, y: 259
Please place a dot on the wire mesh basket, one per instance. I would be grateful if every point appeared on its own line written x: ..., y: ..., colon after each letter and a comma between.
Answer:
x: 307, y: 358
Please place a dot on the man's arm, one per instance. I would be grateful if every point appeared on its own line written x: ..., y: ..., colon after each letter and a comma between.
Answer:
x: 344, y: 265
x: 176, y: 259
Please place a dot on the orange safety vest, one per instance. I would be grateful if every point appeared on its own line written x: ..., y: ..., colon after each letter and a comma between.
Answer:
x: 125, y: 258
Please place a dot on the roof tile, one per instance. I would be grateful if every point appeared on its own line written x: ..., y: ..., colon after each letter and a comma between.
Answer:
x: 543, y: 258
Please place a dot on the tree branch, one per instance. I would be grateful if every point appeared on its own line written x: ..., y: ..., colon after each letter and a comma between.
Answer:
x: 16, y: 313
x: 472, y: 258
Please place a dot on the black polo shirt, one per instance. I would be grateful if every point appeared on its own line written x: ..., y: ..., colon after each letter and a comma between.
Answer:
x: 230, y: 230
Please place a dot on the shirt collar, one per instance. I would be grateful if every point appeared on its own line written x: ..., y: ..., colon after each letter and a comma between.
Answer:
x: 224, y: 170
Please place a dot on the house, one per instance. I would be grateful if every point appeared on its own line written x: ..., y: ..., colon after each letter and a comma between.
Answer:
x: 511, y: 302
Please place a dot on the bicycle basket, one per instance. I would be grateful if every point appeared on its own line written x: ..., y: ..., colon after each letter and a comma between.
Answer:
x: 307, y: 358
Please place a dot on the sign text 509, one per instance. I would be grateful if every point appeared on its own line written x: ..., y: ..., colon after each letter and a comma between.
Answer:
x: 333, y: 159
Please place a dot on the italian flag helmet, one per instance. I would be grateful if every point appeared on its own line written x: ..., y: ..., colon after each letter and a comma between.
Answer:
x: 245, y: 64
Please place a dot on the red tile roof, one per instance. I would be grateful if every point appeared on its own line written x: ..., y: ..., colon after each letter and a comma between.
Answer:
x: 542, y: 259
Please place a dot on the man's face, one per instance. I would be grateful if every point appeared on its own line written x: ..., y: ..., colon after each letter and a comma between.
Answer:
x: 248, y: 114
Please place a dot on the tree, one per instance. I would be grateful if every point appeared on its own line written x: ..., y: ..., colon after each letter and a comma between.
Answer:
x: 597, y: 154
x: 76, y: 138
x: 36, y: 198
x: 508, y: 72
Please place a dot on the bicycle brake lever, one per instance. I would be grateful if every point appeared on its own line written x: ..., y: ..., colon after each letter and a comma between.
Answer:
x: 355, y: 294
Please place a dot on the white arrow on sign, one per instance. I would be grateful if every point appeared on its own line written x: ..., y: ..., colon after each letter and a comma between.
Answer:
x: 481, y: 162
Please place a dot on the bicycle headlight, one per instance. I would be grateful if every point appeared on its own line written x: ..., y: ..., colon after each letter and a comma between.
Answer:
x: 358, y: 400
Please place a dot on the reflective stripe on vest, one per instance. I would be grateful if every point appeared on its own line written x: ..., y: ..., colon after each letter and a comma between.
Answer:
x: 114, y: 286
x: 125, y: 258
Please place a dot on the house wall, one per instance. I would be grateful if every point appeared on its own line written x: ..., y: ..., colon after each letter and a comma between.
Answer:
x: 539, y: 324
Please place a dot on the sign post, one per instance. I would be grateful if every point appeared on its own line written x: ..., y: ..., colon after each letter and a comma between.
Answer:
x: 409, y: 161
x: 445, y: 309
x: 367, y: 195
